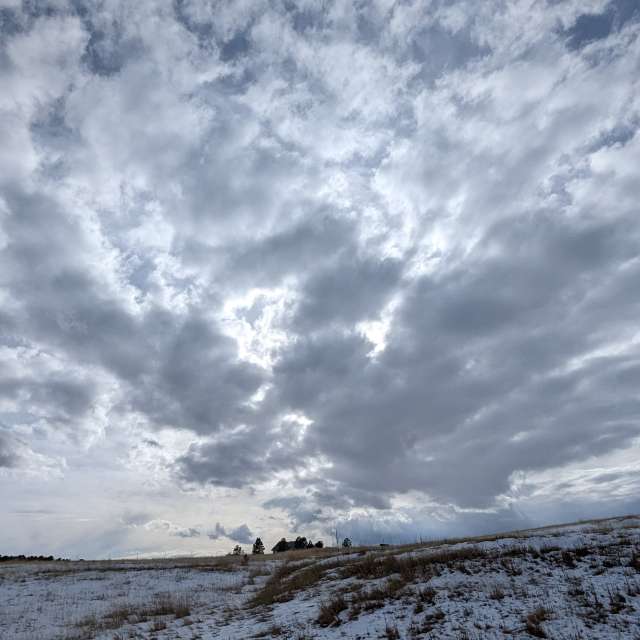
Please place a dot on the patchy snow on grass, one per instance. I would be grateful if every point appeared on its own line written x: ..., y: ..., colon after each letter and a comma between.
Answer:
x: 563, y: 582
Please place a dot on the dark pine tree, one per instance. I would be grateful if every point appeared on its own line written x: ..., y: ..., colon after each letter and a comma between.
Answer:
x: 281, y: 546
x: 258, y: 547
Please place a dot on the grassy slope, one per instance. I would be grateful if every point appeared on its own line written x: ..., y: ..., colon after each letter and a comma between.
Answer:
x: 579, y: 580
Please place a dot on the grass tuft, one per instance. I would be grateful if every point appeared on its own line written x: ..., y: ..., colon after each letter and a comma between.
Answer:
x: 329, y: 614
x: 533, y: 622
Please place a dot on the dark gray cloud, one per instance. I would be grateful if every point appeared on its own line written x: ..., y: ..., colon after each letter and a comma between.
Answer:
x: 198, y: 382
x: 240, y: 458
x: 343, y: 257
x: 321, y: 502
x: 473, y: 370
x: 135, y: 518
x: 241, y: 533
x: 346, y: 292
x: 8, y: 458
x: 177, y: 369
x: 58, y: 399
x: 187, y: 533
x: 218, y: 532
x: 316, y: 241
x: 301, y: 510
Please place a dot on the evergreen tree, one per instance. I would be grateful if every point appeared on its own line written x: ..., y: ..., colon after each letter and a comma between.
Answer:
x: 319, y: 544
x: 346, y: 543
x: 258, y: 547
x: 281, y: 546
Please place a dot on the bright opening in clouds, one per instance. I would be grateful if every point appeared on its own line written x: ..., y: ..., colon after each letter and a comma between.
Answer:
x: 277, y: 267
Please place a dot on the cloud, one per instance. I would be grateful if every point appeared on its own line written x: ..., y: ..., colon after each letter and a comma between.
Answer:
x: 346, y: 293
x: 302, y: 511
x: 171, y: 528
x: 8, y: 458
x: 342, y: 260
x: 136, y: 518
x: 473, y: 370
x: 218, y: 532
x: 241, y: 533
x: 176, y: 369
x: 188, y: 533
x: 412, y: 525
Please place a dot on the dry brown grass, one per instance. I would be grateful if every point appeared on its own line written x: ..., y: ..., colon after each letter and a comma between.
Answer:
x: 259, y: 570
x: 290, y: 578
x: 533, y: 622
x: 409, y: 567
x: 391, y: 631
x: 293, y: 577
x: 165, y: 604
x: 426, y: 595
x: 329, y: 613
x: 374, y: 598
x: 496, y: 593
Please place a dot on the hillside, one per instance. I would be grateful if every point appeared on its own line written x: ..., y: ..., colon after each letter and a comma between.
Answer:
x: 563, y: 582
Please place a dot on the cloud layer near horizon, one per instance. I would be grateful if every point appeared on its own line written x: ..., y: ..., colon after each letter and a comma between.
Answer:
x: 372, y: 263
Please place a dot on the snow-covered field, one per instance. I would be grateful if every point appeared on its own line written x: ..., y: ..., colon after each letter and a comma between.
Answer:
x: 577, y: 581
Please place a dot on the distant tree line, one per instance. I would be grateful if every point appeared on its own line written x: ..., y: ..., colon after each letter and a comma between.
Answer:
x: 300, y: 542
x: 23, y: 558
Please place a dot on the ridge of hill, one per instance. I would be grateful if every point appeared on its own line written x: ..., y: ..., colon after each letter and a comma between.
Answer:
x: 566, y: 582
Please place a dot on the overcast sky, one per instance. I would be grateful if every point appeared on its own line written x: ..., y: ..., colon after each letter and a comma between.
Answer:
x: 272, y: 267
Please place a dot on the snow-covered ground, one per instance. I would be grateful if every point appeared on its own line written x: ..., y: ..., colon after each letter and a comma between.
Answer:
x: 579, y: 581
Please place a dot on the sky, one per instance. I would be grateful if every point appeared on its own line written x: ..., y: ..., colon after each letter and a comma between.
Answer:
x: 279, y: 268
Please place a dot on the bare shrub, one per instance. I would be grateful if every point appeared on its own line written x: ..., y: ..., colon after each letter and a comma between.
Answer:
x: 166, y: 604
x: 510, y: 567
x: 388, y: 589
x: 533, y: 622
x: 391, y: 631
x: 632, y: 587
x: 496, y: 593
x: 427, y: 595
x: 568, y: 559
x: 329, y: 613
